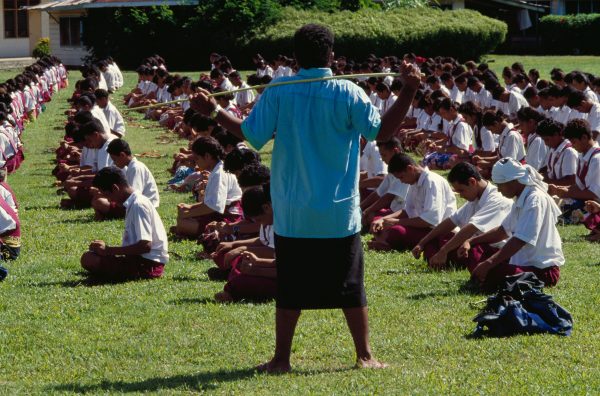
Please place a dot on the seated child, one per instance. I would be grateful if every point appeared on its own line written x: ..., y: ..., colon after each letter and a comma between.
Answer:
x: 429, y: 201
x: 386, y: 97
x: 372, y: 167
x: 485, y: 209
x: 10, y: 235
x: 485, y: 144
x: 592, y: 222
x: 561, y: 166
x: 390, y: 195
x: 220, y: 201
x: 534, y: 244
x: 537, y: 151
x: 112, y: 114
x: 251, y: 263
x: 590, y: 110
x: 144, y: 250
x: 514, y: 100
x: 7, y: 193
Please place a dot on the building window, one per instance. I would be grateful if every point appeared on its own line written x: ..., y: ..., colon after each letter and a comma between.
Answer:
x: 582, y: 6
x: 70, y: 32
x: 16, y: 22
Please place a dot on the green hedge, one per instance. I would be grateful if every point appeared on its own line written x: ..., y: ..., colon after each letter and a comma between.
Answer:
x: 571, y: 34
x: 464, y: 34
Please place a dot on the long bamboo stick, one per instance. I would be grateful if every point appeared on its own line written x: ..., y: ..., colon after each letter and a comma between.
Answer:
x: 271, y: 85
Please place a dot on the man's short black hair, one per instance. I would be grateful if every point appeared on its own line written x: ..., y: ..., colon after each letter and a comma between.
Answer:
x: 107, y: 177
x: 237, y: 159
x: 549, y: 127
x: 393, y: 143
x: 91, y: 127
x: 254, y: 198
x: 83, y: 117
x: 118, y: 146
x: 576, y: 129
x: 208, y: 145
x: 101, y: 93
x: 254, y: 174
x: 575, y: 99
x: 400, y: 162
x: 313, y: 45
x: 462, y: 172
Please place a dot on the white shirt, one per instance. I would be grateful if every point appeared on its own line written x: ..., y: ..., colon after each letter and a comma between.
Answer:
x: 267, y: 71
x: 515, y: 102
x: 222, y: 189
x: 593, y: 118
x: 562, y: 161
x: 428, y: 122
x: 413, y: 112
x: 99, y: 115
x: 483, y: 98
x: 532, y: 219
x: 511, y: 144
x: 110, y: 80
x: 485, y: 213
x: 102, y: 82
x: 245, y: 97
x: 564, y: 114
x: 460, y: 134
x: 387, y: 103
x: 445, y: 90
x: 371, y: 162
x: 8, y: 197
x: 592, y: 178
x: 391, y: 185
x: 226, y: 85
x: 7, y: 223
x: 488, y: 143
x: 267, y: 236
x: 140, y: 178
x: 143, y: 223
x: 163, y: 95
x: 114, y: 119
x: 457, y: 95
x: 590, y: 94
x: 89, y: 157
x: 103, y: 158
x: 430, y: 198
x: 375, y: 99
x: 537, y: 152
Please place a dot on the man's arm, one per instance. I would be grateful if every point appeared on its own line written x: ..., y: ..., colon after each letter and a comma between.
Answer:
x: 204, y: 104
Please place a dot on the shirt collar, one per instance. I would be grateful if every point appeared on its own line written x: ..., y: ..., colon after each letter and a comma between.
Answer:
x: 315, y: 72
x: 562, y: 145
x: 488, y: 190
x: 521, y: 200
x: 130, y: 200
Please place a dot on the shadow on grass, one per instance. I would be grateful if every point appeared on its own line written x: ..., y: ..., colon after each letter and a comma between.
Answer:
x: 40, y: 207
x: 207, y: 301
x: 81, y: 220
x: 86, y: 281
x: 198, y: 382
x: 468, y: 288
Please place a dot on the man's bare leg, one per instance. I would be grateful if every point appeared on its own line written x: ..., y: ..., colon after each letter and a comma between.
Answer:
x: 358, y: 322
x: 285, y: 327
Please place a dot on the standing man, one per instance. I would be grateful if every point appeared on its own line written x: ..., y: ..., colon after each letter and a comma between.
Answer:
x: 314, y: 186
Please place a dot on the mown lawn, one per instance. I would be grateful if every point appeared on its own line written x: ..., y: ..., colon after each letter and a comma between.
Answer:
x: 58, y: 335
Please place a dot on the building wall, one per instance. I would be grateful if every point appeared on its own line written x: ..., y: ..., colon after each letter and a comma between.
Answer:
x: 71, y: 56
x: 12, y: 47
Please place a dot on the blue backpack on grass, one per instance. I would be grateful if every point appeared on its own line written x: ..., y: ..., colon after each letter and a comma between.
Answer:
x: 520, y: 307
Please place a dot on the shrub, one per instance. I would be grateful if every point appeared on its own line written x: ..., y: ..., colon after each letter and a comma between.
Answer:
x: 570, y: 34
x: 463, y: 34
x: 42, y: 48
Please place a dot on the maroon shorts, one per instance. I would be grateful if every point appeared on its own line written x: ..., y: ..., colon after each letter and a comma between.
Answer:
x: 242, y: 286
x: 405, y: 238
x: 126, y: 267
x: 495, y: 278
x: 592, y: 222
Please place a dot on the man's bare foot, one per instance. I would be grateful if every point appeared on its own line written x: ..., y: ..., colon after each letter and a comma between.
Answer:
x: 223, y: 297
x: 370, y: 364
x: 274, y: 367
x: 379, y: 245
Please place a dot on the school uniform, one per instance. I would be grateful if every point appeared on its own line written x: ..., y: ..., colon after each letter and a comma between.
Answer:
x: 537, y: 152
x: 142, y: 223
x: 430, y: 123
x: 590, y: 95
x: 562, y: 161
x: 593, y: 118
x: 267, y: 71
x: 460, y: 135
x: 375, y: 100
x: 510, y: 144
x: 457, y: 95
x: 431, y: 198
x: 245, y: 97
x: 8, y: 195
x: 163, y: 95
x: 483, y: 98
x: 391, y: 185
x: 532, y: 219
x: 103, y: 159
x: 102, y: 82
x: 141, y: 179
x: 445, y: 90
x: 371, y: 162
x: 114, y: 119
x: 226, y: 85
x: 485, y: 213
x: 485, y: 139
x: 515, y: 102
x: 588, y: 171
x: 414, y: 112
x: 10, y: 232
x: 110, y: 80
x: 100, y: 116
x: 387, y: 103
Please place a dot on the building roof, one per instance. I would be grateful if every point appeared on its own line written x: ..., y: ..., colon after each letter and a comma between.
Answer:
x: 65, y: 5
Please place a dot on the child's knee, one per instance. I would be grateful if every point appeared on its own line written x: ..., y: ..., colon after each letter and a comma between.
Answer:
x: 101, y: 205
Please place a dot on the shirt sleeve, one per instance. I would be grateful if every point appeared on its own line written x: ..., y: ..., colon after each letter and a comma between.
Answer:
x: 215, y: 195
x: 510, y: 147
x: 592, y: 178
x: 364, y: 117
x: 143, y: 225
x: 433, y: 205
x: 462, y: 137
x: 459, y: 218
x: 530, y: 222
x: 260, y: 125
x: 490, y: 215
x: 384, y: 186
x: 569, y: 162
x: 6, y: 222
x: 487, y: 140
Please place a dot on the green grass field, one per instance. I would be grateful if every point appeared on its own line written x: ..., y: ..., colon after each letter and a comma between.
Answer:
x: 58, y: 335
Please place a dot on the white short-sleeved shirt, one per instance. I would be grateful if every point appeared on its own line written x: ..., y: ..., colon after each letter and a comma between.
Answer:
x: 445, y: 90
x: 8, y: 197
x: 222, y: 189
x: 413, y: 112
x: 533, y: 221
x: 594, y: 118
x: 143, y: 223
x: 267, y: 236
x: 590, y: 94
x: 114, y: 119
x: 562, y: 114
x: 103, y: 158
x: 375, y: 100
x: 460, y: 134
x: 226, y: 85
x: 515, y: 102
x: 592, y: 178
x: 430, y: 198
x: 488, y: 142
x: 537, y: 152
x: 89, y: 157
x: 484, y: 98
x: 7, y: 223
x: 457, y: 95
x: 102, y: 82
x: 391, y: 185
x: 428, y: 122
x: 511, y: 144
x: 245, y: 97
x: 140, y: 178
x: 371, y: 162
x: 99, y: 115
x: 562, y: 161
x: 485, y: 213
x: 387, y: 104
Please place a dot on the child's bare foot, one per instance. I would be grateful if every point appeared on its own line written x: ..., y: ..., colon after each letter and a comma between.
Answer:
x: 379, y: 245
x: 223, y: 297
x: 370, y: 364
x: 274, y: 367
